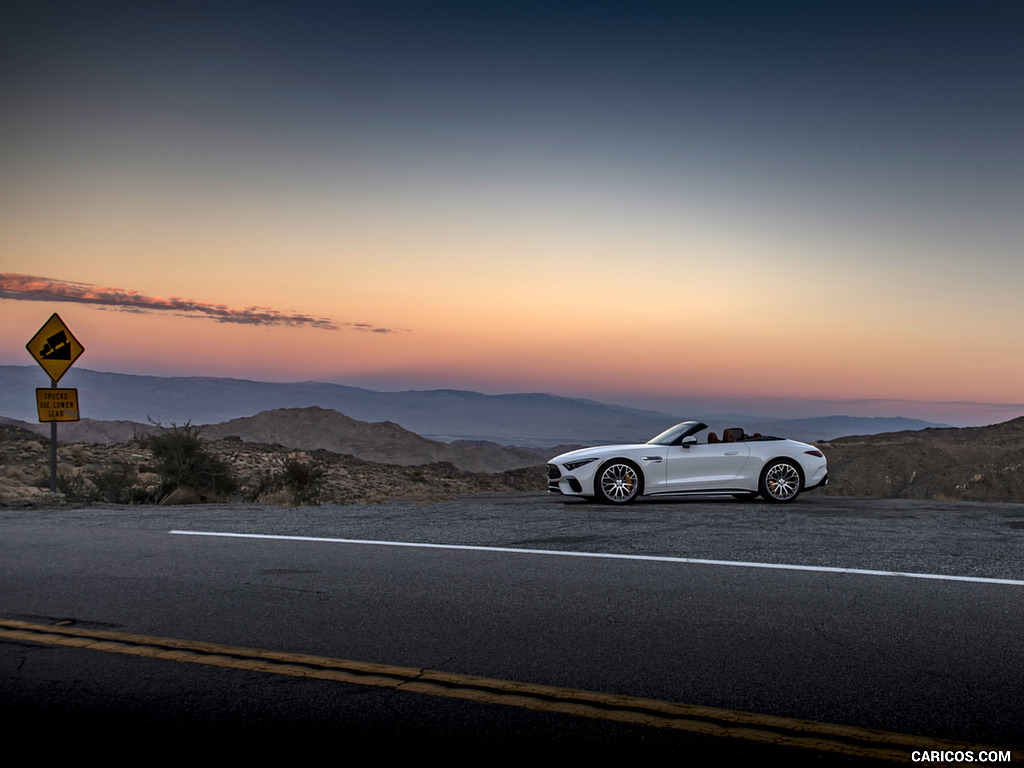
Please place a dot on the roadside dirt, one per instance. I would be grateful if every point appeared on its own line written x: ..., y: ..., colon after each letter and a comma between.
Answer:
x: 106, y: 472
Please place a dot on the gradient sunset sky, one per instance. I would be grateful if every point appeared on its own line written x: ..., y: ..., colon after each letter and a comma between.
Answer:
x: 775, y: 208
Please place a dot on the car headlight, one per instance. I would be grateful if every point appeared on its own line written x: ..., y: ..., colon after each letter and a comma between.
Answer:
x: 571, y: 465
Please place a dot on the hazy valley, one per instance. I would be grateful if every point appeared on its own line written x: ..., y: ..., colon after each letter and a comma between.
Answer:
x: 527, y: 419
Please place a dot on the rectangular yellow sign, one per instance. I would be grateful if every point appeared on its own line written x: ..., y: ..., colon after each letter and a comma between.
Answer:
x: 57, y: 404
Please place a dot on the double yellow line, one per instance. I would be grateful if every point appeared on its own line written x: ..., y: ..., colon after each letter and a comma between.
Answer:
x: 707, y: 721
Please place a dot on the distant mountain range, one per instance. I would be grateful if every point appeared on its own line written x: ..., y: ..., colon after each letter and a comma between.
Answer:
x: 315, y: 428
x: 447, y: 415
x: 318, y: 429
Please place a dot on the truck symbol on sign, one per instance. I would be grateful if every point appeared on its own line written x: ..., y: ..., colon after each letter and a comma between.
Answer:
x: 57, y: 347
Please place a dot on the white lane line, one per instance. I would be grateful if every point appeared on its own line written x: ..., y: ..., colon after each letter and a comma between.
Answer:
x: 612, y: 556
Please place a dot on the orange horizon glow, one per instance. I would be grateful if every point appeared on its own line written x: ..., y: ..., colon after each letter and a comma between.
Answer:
x: 598, y: 354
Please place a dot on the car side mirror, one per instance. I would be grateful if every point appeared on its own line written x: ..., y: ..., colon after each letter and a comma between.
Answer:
x: 688, y: 441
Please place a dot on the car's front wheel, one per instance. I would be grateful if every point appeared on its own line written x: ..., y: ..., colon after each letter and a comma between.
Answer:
x: 780, y: 481
x: 618, y: 482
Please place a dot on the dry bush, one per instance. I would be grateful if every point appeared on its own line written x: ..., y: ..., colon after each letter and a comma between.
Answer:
x: 182, y: 461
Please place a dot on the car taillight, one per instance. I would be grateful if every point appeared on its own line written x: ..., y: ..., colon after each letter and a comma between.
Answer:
x: 819, y: 454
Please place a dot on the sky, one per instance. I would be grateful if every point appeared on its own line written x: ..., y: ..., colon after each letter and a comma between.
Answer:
x: 774, y: 208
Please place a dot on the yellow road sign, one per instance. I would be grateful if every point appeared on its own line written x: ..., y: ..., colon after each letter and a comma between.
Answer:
x: 57, y: 404
x: 54, y: 347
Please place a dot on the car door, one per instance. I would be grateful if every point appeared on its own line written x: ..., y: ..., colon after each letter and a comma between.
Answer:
x: 704, y: 466
x: 652, y: 462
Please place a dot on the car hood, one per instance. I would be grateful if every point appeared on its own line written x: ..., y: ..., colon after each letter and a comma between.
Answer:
x: 597, y: 450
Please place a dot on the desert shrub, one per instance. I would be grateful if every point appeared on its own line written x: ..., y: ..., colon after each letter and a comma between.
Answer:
x: 118, y: 484
x: 71, y: 483
x: 261, y: 484
x: 182, y: 461
x: 303, y: 481
x: 79, y: 456
x: 114, y: 482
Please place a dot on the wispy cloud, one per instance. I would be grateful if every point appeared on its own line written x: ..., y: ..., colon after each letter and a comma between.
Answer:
x: 32, y: 288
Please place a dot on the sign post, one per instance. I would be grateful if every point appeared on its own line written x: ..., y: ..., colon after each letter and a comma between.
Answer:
x: 55, y: 348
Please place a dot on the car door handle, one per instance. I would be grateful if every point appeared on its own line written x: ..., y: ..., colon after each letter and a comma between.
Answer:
x: 732, y: 453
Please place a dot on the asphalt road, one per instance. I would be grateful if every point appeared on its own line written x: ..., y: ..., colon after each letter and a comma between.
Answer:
x: 866, y: 644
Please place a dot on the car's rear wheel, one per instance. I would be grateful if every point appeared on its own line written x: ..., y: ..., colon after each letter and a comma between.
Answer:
x: 618, y: 482
x: 780, y: 481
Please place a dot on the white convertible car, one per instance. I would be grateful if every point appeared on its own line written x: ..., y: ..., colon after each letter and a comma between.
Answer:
x: 679, y: 462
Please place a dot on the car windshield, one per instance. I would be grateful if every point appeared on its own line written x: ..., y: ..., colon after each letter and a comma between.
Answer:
x: 678, y: 432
